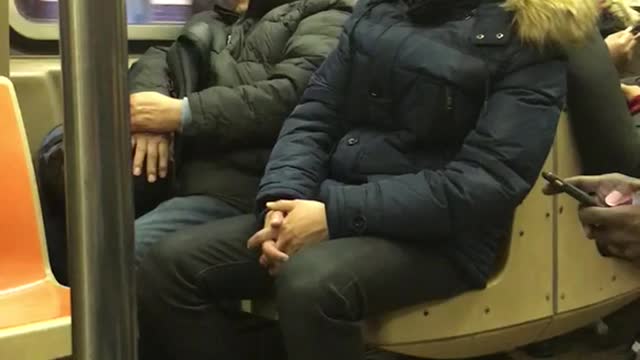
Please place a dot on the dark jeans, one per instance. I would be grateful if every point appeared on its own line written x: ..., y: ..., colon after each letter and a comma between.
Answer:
x: 177, y: 214
x: 322, y: 293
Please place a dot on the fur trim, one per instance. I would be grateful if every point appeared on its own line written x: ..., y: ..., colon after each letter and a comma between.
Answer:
x: 559, y: 22
x: 622, y: 10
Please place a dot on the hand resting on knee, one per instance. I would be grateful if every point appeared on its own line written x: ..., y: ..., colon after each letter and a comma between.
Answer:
x: 289, y: 226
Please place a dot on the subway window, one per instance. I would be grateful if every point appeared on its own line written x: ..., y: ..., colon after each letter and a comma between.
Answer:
x: 148, y: 19
x: 138, y: 11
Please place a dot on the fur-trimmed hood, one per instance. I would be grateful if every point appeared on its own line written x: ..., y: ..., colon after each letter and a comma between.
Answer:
x: 559, y: 22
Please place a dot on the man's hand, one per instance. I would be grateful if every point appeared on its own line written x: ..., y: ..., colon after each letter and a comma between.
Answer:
x: 154, y: 112
x: 615, y: 228
x: 289, y: 226
x: 155, y: 149
x: 621, y: 47
x: 265, y: 239
x: 305, y: 224
x: 610, y: 189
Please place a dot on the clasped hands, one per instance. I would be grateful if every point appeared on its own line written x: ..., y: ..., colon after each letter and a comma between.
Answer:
x: 289, y: 226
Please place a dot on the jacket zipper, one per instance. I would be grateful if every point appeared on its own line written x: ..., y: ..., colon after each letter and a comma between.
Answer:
x: 449, y: 96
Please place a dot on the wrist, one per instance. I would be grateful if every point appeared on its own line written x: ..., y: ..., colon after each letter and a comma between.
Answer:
x: 176, y: 113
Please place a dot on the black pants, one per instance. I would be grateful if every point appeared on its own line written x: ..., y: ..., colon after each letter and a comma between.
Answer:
x: 606, y: 134
x: 322, y: 292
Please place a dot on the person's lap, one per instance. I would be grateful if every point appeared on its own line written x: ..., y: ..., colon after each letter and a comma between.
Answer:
x: 177, y: 214
x: 322, y: 292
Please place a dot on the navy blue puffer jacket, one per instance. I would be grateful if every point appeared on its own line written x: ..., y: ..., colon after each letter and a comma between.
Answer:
x: 430, y: 132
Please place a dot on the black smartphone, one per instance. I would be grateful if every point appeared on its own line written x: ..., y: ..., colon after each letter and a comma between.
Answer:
x: 582, y: 197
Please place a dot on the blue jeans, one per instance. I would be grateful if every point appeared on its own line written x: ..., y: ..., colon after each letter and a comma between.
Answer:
x: 174, y: 215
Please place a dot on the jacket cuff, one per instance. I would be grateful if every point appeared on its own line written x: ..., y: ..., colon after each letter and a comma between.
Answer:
x: 262, y: 199
x: 344, y: 207
x: 197, y: 111
x: 160, y: 90
x: 185, y: 117
x: 634, y: 105
x: 260, y: 216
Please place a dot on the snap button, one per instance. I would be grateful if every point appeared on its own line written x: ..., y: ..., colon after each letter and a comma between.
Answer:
x: 499, y: 35
x: 359, y: 223
x: 352, y: 141
x: 470, y: 15
x: 480, y: 36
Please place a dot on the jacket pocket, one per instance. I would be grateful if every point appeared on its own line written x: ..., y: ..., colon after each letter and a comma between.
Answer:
x: 365, y: 152
x: 431, y: 110
x: 380, y: 110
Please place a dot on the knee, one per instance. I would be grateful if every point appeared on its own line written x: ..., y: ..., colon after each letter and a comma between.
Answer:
x: 163, y: 274
x: 311, y: 285
x: 140, y: 248
x: 147, y: 232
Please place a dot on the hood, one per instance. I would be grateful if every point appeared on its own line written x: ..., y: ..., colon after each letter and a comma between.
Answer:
x: 553, y: 22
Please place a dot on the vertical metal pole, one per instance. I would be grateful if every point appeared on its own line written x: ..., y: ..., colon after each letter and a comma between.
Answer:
x: 93, y: 38
x: 4, y: 38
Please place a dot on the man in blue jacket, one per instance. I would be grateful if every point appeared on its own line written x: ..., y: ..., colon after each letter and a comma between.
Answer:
x: 393, y: 182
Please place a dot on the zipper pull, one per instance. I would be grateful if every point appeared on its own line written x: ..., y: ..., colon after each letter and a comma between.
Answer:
x: 228, y: 39
x: 172, y: 89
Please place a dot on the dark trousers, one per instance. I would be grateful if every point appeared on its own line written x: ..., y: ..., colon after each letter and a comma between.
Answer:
x: 606, y: 135
x: 186, y: 282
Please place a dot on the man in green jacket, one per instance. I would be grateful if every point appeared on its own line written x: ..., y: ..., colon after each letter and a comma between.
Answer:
x: 222, y: 91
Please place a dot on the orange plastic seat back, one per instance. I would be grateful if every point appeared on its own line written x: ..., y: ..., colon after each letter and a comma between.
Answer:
x: 22, y: 259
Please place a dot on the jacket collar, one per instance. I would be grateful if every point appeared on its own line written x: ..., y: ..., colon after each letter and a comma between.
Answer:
x: 437, y: 11
x: 538, y: 22
x: 258, y: 8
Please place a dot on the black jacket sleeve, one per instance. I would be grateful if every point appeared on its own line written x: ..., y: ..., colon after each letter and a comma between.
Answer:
x: 151, y: 72
x: 599, y: 112
x: 495, y: 169
x: 253, y: 114
x: 307, y: 137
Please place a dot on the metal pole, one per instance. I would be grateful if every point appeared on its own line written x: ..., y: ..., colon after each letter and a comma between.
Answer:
x: 4, y: 38
x: 93, y: 38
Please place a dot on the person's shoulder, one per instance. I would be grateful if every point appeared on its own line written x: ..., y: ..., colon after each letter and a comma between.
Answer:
x: 209, y: 17
x: 324, y: 12
x: 310, y: 7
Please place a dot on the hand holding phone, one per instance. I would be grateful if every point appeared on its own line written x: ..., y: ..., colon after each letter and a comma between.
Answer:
x: 582, y: 197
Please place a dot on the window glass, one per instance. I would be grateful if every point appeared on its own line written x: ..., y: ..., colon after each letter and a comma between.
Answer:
x: 139, y: 12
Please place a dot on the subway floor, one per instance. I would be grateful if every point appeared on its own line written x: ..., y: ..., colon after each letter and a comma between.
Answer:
x: 587, y: 345
x: 584, y: 344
